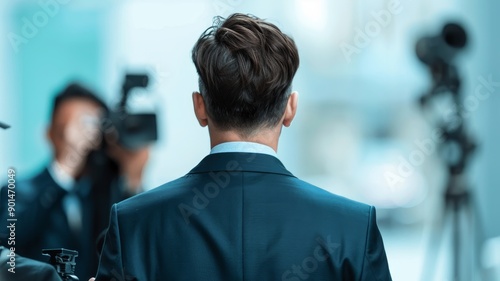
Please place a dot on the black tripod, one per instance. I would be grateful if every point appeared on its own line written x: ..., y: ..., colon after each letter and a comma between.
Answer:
x: 438, y: 53
x: 458, y: 210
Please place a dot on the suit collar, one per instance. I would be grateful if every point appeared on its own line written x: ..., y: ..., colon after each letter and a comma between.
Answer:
x: 244, y: 162
x: 45, y: 177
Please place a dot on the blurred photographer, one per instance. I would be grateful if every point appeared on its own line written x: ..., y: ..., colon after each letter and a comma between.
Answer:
x: 64, y: 206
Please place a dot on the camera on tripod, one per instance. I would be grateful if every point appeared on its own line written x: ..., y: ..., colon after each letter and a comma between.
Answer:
x: 439, y: 54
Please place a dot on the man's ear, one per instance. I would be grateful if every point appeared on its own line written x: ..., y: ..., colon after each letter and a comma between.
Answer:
x: 291, y: 109
x: 200, y: 110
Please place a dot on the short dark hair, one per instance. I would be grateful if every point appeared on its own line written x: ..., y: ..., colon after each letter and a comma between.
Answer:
x: 76, y: 91
x: 245, y: 67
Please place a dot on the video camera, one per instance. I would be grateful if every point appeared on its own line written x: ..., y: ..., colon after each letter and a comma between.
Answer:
x: 63, y: 261
x: 131, y: 131
x: 442, y: 48
x: 439, y: 53
x: 4, y: 126
x: 137, y: 130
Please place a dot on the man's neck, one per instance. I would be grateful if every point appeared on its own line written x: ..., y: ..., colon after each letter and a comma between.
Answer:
x: 267, y: 137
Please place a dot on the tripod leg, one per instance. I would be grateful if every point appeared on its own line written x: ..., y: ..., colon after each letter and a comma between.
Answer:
x: 434, y: 244
x: 457, y: 241
x: 478, y: 236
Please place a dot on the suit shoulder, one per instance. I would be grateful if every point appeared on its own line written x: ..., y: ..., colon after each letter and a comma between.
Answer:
x: 158, y: 195
x: 326, y: 199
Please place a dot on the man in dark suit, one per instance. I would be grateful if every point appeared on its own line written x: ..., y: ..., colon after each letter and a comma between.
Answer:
x: 54, y: 208
x: 239, y: 214
x: 60, y: 207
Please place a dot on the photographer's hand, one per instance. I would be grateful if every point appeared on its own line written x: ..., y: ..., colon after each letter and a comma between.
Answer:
x: 132, y: 164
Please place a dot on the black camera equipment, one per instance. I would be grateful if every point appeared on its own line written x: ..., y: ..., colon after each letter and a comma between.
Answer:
x: 443, y: 48
x: 64, y: 262
x: 439, y: 54
x: 4, y: 126
x: 131, y: 131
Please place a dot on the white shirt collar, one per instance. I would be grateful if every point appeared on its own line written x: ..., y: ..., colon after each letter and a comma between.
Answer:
x: 242, y: 146
x: 62, y: 178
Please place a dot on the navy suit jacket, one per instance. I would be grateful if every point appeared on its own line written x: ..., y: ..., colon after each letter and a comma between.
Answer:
x: 242, y: 216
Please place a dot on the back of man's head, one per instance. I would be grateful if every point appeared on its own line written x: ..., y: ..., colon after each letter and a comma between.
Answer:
x: 245, y: 67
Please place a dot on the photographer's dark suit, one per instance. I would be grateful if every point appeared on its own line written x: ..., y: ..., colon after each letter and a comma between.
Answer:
x: 42, y: 222
x: 242, y: 216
